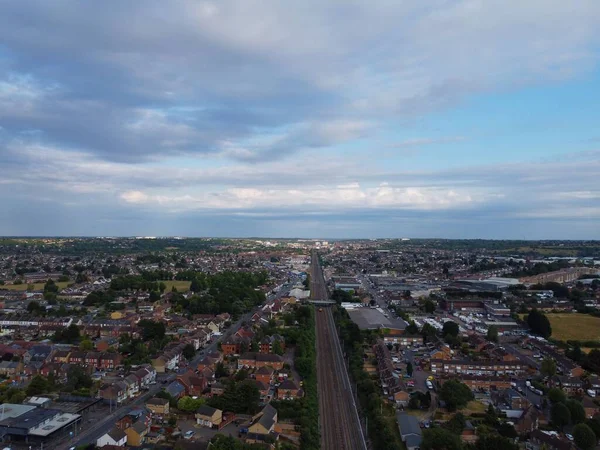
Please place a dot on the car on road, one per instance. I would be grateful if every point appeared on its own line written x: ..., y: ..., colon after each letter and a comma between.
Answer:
x: 188, y: 434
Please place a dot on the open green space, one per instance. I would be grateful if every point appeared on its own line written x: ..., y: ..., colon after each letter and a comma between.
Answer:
x: 36, y: 286
x: 573, y: 326
x: 180, y: 285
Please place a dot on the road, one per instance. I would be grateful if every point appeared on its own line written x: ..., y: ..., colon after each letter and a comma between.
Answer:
x: 340, y: 425
x: 93, y: 432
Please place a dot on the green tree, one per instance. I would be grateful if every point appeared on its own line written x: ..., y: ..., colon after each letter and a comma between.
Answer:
x: 440, y: 439
x: 412, y: 328
x: 576, y: 410
x: 557, y: 395
x: 86, y: 344
x: 189, y: 404
x: 492, y: 333
x: 560, y: 415
x: 189, y: 352
x: 491, y: 417
x: 277, y: 347
x: 494, y: 442
x: 457, y: 423
x: 220, y: 370
x: 548, y: 367
x: 594, y: 424
x: 152, y: 330
x: 450, y: 328
x: 455, y: 394
x: 584, y: 437
x: 37, y: 386
x: 429, y: 307
x: 539, y: 323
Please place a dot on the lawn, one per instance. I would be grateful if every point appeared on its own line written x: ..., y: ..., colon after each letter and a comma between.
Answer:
x: 181, y: 286
x: 36, y: 286
x: 574, y: 326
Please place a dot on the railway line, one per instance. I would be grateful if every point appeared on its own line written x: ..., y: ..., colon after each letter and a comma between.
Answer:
x: 340, y: 425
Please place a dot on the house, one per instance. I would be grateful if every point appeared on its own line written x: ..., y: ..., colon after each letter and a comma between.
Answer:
x: 209, y: 417
x: 289, y: 390
x: 267, y: 343
x: 11, y: 368
x: 410, y: 432
x: 158, y: 406
x: 404, y: 340
x: 160, y: 364
x: 133, y: 385
x: 92, y: 359
x: 61, y: 356
x: 115, y: 393
x: 263, y: 426
x: 571, y: 385
x: 263, y: 390
x: 109, y: 361
x: 257, y: 360
x: 264, y: 374
x: 37, y: 353
x: 217, y: 389
x: 529, y: 421
x: 478, y: 368
x: 114, y: 437
x: 194, y: 385
x: 539, y: 440
x: 590, y: 408
x: 77, y: 358
x: 176, y: 389
x: 146, y: 375
x: 136, y: 433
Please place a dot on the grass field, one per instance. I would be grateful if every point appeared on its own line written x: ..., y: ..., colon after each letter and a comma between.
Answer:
x: 573, y: 326
x: 36, y: 286
x: 181, y: 286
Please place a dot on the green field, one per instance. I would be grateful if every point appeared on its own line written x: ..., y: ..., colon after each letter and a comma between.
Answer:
x: 181, y: 286
x: 573, y: 326
x: 36, y: 286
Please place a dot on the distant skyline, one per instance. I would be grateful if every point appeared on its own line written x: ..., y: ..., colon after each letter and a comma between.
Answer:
x: 336, y: 119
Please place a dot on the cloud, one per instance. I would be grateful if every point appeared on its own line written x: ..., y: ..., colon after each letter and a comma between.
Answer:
x: 210, y: 78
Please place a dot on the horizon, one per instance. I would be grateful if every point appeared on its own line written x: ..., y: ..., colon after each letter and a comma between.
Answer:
x: 238, y: 118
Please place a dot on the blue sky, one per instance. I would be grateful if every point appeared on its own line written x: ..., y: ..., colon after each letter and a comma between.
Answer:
x: 450, y: 118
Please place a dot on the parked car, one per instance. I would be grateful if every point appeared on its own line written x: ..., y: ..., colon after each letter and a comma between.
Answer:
x: 189, y: 434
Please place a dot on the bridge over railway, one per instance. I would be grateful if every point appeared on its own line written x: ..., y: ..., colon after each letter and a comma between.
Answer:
x: 321, y: 302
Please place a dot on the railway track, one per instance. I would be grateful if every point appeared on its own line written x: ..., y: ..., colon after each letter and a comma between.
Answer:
x: 340, y: 426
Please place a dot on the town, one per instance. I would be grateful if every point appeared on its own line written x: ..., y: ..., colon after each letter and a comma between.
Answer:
x: 227, y: 343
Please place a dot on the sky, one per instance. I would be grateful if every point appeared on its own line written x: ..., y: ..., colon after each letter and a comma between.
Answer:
x: 330, y: 119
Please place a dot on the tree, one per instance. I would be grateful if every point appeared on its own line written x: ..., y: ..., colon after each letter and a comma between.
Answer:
x: 189, y: 404
x: 220, y: 370
x: 37, y: 386
x: 450, y: 328
x: 539, y: 323
x: 576, y: 410
x: 86, y: 344
x: 557, y: 395
x: 429, y: 307
x: 409, y: 369
x: 440, y: 439
x: 492, y: 333
x: 455, y: 394
x: 241, y: 375
x: 428, y: 331
x: 491, y: 417
x: 560, y: 415
x: 152, y: 330
x: 35, y: 308
x: 594, y: 424
x: 412, y: 328
x: 189, y: 351
x: 457, y: 423
x: 277, y: 347
x: 494, y: 442
x: 548, y: 367
x: 584, y: 436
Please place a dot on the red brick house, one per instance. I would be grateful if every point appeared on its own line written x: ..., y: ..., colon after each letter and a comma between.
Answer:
x: 289, y: 390
x: 265, y: 375
x: 109, y: 361
x: 258, y: 360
